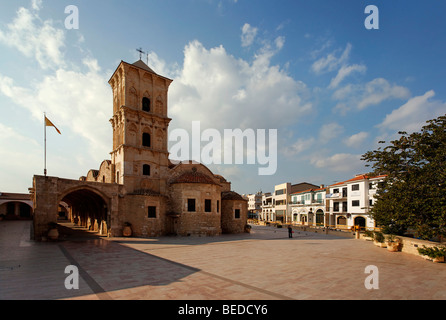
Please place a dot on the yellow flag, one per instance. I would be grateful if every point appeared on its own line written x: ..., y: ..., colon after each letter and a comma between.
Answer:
x: 48, y: 123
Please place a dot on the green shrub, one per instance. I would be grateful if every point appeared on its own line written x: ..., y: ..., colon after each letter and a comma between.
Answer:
x: 379, y: 237
x: 432, y: 252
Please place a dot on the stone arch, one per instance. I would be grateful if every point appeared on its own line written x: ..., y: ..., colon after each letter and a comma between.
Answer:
x: 133, y: 97
x: 88, y: 207
x: 131, y: 137
x: 159, y: 106
x: 105, y: 174
x: 341, y: 220
x: 360, y: 221
x: 320, y: 217
x: 16, y: 208
x: 146, y: 102
x: 159, y: 138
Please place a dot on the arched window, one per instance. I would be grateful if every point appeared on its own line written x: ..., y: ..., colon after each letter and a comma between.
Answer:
x: 146, y: 170
x: 146, y: 140
x: 146, y: 104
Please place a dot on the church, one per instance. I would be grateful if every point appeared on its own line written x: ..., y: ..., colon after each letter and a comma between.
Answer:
x: 140, y: 187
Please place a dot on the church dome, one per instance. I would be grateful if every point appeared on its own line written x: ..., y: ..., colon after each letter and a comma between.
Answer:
x: 193, y: 177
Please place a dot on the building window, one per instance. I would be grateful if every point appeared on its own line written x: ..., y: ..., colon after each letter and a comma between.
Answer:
x: 237, y: 214
x: 146, y: 170
x: 146, y: 104
x: 355, y: 187
x: 218, y: 205
x: 191, y: 205
x: 207, y: 205
x: 151, y: 212
x: 355, y: 203
x: 146, y: 140
x: 336, y: 206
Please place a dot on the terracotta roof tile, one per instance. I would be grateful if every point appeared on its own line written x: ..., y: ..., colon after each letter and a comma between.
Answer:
x: 231, y: 195
x: 359, y: 177
x: 194, y: 177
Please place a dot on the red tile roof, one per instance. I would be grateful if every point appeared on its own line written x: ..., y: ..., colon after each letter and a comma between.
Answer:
x: 194, y: 177
x: 359, y: 177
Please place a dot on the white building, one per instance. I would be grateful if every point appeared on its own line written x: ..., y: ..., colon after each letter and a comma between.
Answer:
x: 254, y: 205
x: 268, y: 210
x: 281, y: 197
x: 308, y: 207
x: 349, y: 202
x: 276, y: 206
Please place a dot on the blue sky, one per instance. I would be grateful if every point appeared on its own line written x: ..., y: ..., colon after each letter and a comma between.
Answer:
x: 309, y: 69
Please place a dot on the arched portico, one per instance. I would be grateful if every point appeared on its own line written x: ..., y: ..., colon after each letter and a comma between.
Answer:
x: 94, y: 204
x: 16, y: 208
x: 360, y: 222
x: 88, y: 207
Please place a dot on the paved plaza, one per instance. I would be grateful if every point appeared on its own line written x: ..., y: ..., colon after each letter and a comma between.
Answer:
x: 262, y: 265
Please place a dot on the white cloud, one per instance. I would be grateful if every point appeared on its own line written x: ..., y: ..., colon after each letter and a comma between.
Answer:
x: 12, y: 158
x: 357, y: 139
x: 248, y: 35
x: 378, y: 90
x: 75, y: 100
x: 412, y: 115
x: 298, y: 147
x: 361, y: 96
x: 330, y: 131
x: 78, y: 101
x: 36, y: 4
x: 221, y: 91
x: 35, y: 38
x: 340, y: 162
x: 331, y: 62
x: 345, y: 71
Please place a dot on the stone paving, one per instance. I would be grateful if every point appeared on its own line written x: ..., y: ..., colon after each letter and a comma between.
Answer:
x: 262, y: 265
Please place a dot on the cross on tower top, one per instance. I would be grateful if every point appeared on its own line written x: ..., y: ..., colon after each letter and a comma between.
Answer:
x: 140, y: 53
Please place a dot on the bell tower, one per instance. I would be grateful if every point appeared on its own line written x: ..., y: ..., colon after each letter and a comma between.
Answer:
x: 140, y: 128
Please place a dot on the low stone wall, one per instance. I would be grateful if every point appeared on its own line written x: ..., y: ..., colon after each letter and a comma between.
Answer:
x: 410, y: 245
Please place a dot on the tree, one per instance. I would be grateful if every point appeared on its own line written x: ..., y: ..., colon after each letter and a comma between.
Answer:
x: 413, y: 194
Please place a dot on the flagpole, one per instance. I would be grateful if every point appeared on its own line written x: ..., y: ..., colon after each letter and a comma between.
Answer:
x: 44, y: 135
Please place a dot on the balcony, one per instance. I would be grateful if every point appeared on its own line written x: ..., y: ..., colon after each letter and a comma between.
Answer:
x: 332, y: 195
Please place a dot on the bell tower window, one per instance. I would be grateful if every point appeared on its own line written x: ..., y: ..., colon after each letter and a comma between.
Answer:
x: 146, y: 140
x: 146, y: 104
x: 146, y: 170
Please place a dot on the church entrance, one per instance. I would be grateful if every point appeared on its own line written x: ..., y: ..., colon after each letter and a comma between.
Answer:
x: 88, y: 209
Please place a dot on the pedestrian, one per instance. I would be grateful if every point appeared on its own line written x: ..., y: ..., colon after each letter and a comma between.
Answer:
x: 290, y: 231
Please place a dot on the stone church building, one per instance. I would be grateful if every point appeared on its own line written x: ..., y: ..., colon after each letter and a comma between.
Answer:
x: 140, y: 186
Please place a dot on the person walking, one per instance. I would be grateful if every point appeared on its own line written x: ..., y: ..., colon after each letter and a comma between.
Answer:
x: 290, y: 231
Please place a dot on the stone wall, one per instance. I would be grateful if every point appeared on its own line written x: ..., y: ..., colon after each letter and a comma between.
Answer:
x: 135, y: 210
x: 48, y: 192
x: 229, y: 222
x: 198, y: 222
x: 411, y: 245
